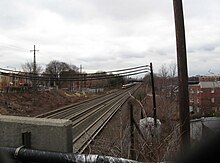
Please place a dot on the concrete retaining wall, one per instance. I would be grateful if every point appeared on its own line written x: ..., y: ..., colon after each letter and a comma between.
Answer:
x: 201, y: 128
x: 196, y: 129
x: 46, y: 134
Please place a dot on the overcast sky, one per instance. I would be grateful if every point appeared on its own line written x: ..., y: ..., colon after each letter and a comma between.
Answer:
x: 108, y: 34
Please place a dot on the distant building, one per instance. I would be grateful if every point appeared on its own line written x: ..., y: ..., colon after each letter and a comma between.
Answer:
x: 204, y: 97
x: 4, y: 81
x: 209, y: 78
x: 70, y: 80
x: 11, y: 81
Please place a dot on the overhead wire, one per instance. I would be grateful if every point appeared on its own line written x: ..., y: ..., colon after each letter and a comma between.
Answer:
x: 119, y: 70
x: 78, y: 76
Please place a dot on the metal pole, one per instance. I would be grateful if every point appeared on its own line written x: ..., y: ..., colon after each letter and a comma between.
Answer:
x: 154, y: 96
x: 34, y: 60
x: 34, y: 84
x: 34, y: 70
x: 80, y: 84
x: 34, y: 75
x: 131, y: 131
x: 182, y: 75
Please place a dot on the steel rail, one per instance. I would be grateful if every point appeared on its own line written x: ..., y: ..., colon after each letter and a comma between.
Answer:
x: 94, y: 116
x: 50, y: 114
x: 84, y: 135
x: 89, y: 108
x: 81, y: 108
x: 90, y: 116
x: 73, y: 111
x: 81, y: 144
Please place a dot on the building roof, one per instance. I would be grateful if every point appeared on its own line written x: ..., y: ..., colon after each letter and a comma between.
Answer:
x: 209, y: 84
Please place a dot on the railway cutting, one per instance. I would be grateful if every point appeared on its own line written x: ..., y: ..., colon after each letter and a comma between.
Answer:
x: 90, y: 117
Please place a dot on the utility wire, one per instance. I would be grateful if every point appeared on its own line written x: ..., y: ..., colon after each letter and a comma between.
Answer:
x: 120, y: 70
x: 79, y: 76
x: 128, y: 69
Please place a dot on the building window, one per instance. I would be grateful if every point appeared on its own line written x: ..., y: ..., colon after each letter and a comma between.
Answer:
x: 212, y: 99
x: 198, y: 109
x: 212, y: 90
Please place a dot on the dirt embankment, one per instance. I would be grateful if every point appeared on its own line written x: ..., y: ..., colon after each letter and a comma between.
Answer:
x: 26, y: 104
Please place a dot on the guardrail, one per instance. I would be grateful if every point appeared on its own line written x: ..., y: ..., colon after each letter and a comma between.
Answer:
x: 10, y: 155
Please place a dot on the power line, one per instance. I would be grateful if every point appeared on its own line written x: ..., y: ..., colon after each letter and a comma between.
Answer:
x: 77, y: 77
x: 127, y: 69
x: 123, y: 71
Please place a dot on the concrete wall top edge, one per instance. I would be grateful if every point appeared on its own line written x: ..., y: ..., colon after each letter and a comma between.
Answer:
x: 33, y: 120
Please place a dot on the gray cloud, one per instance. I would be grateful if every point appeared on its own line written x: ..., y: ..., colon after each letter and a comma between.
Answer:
x: 131, y: 55
x: 209, y: 48
x: 13, y: 15
x: 108, y: 34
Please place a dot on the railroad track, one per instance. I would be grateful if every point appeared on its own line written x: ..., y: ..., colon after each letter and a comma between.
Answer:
x: 89, y: 117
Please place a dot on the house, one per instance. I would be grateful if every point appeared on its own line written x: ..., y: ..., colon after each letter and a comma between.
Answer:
x: 13, y: 81
x: 70, y: 80
x: 204, y: 97
x: 4, y: 81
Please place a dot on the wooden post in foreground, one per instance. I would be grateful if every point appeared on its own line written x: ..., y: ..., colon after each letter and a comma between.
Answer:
x: 182, y: 76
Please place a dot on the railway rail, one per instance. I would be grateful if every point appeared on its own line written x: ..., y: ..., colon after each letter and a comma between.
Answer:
x: 89, y: 117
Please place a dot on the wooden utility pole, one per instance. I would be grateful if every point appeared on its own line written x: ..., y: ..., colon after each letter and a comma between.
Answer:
x: 34, y: 76
x: 182, y: 76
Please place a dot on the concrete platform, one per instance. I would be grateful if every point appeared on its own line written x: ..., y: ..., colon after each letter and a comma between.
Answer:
x: 46, y: 134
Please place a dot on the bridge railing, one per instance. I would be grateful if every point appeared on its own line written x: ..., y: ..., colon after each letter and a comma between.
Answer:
x: 12, y: 155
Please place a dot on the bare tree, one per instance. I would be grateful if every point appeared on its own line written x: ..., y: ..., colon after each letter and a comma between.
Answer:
x: 173, y: 70
x: 29, y: 67
x: 168, y: 80
x: 74, y: 67
x: 54, y: 68
x: 164, y: 71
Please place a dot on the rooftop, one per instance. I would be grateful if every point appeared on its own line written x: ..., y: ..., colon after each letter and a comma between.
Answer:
x: 209, y: 84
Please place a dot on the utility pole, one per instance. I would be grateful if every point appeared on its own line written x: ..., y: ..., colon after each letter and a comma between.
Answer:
x: 132, y: 153
x: 80, y: 84
x: 182, y: 76
x: 34, y: 76
x: 153, y: 94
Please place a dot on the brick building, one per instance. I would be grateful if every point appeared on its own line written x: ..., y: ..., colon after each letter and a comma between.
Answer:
x: 4, y: 80
x: 67, y: 81
x: 204, y: 97
x: 209, y: 78
x: 12, y: 81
